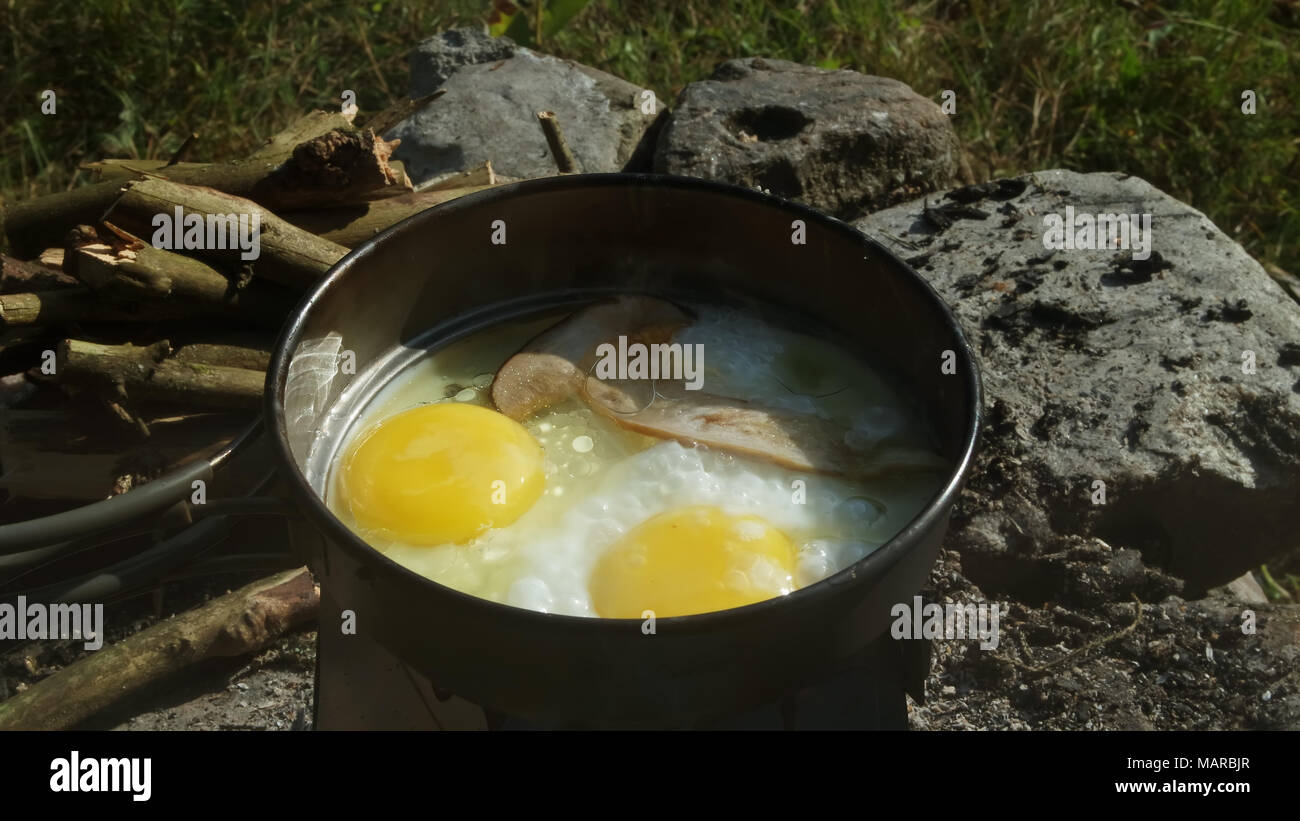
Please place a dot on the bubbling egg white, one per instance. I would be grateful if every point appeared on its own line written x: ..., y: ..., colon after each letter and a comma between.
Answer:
x: 609, y: 490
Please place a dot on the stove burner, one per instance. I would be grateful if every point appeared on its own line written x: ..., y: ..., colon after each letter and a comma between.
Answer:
x: 361, y: 686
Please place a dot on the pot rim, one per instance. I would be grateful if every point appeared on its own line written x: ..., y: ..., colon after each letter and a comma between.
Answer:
x: 864, y: 571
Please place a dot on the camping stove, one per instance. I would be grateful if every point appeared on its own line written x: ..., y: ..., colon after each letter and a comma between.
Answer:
x: 362, y: 686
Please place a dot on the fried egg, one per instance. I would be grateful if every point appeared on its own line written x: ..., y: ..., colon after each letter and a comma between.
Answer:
x: 568, y: 513
x: 691, y: 560
x: 441, y: 474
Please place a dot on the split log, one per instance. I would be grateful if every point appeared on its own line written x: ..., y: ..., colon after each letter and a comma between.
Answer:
x: 51, y: 258
x: 335, y: 167
x: 235, y: 624
x: 124, y: 267
x: 18, y: 276
x: 351, y: 226
x: 339, y: 167
x: 287, y: 254
x: 145, y: 374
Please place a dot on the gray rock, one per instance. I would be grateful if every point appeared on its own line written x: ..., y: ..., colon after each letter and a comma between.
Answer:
x: 840, y: 141
x: 1102, y: 368
x: 489, y: 112
x: 437, y: 58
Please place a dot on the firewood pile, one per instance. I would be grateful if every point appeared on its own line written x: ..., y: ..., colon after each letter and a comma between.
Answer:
x: 138, y: 312
x: 137, y: 318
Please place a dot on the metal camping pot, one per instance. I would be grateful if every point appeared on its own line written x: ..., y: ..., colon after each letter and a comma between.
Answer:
x: 530, y: 246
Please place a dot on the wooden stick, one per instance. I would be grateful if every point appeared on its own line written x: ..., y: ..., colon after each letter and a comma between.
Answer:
x: 119, y: 169
x: 287, y: 254
x: 564, y: 159
x: 80, y: 304
x: 183, y: 150
x: 235, y: 624
x: 144, y: 374
x: 275, y: 150
x: 232, y: 356
x: 130, y: 269
x: 34, y: 224
x: 478, y: 175
x: 34, y: 308
x: 309, y: 126
x: 399, y: 111
x: 334, y: 167
x: 352, y: 226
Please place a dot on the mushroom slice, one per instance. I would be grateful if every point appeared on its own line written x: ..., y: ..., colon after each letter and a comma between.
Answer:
x: 553, y: 365
x: 794, y: 440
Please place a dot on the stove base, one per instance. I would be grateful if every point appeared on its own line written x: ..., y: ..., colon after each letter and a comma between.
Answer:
x: 361, y: 686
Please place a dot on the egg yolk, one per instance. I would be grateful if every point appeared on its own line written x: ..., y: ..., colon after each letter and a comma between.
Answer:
x: 693, y: 560
x: 442, y: 473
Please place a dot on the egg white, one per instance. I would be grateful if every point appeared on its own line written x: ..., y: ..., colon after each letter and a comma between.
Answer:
x: 603, y: 481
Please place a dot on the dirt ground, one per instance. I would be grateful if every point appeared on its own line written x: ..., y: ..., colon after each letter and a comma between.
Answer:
x: 1072, y: 664
x: 1093, y: 664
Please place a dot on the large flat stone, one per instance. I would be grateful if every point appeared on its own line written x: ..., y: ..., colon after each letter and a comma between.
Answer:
x: 843, y: 142
x: 1098, y: 367
x: 494, y: 90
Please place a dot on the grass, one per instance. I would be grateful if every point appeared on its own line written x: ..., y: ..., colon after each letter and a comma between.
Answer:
x: 1141, y: 87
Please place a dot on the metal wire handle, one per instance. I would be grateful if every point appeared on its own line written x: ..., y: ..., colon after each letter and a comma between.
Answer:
x: 38, y: 542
